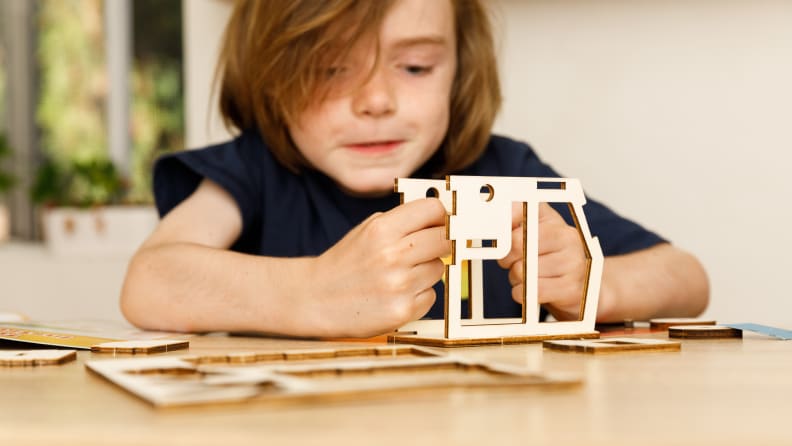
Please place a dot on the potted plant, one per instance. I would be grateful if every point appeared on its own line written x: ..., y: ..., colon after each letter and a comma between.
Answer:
x: 85, y: 210
x: 7, y: 181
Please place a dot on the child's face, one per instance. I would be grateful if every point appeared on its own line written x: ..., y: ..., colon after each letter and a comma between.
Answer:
x: 365, y: 134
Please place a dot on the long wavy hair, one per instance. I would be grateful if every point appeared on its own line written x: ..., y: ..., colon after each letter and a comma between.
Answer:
x: 270, y: 69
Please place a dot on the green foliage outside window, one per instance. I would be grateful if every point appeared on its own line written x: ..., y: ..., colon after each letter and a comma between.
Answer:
x: 81, y: 183
x: 157, y: 103
x: 73, y: 92
x: 71, y: 110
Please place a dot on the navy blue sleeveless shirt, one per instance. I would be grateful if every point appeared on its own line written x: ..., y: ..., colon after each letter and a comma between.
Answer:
x: 293, y: 215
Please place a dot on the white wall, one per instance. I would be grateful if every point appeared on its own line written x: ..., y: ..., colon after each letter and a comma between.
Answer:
x: 47, y: 287
x: 204, y: 21
x: 675, y: 112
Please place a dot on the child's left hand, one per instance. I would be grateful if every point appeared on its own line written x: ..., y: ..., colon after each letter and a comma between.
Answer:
x: 562, y: 263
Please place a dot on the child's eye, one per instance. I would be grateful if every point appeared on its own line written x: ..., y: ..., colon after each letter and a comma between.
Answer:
x: 417, y: 70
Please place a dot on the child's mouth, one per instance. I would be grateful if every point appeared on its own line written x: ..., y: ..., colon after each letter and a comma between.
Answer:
x: 375, y: 146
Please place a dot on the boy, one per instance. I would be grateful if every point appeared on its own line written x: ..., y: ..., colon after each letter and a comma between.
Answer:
x: 293, y: 229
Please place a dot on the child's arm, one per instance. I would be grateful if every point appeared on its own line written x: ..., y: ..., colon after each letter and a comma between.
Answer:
x: 661, y: 281
x: 654, y: 282
x: 377, y: 278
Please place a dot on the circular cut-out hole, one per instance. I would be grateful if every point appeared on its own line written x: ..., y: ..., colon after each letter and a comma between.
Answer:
x: 487, y: 192
x: 432, y: 193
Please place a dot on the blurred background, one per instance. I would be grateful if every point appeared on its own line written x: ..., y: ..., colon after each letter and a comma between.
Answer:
x: 676, y: 113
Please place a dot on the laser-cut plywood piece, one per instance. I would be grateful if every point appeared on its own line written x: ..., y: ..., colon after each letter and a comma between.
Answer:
x: 703, y: 332
x: 22, y: 358
x: 141, y: 346
x: 312, y: 354
x: 664, y: 323
x: 479, y: 226
x: 612, y: 345
x: 308, y: 375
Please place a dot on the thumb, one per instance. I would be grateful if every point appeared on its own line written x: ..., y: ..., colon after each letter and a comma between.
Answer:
x: 548, y: 215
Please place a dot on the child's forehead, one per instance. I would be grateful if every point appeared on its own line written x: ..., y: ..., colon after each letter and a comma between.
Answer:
x: 413, y: 23
x: 407, y: 18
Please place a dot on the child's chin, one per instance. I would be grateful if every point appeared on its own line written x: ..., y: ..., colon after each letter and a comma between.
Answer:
x: 368, y: 188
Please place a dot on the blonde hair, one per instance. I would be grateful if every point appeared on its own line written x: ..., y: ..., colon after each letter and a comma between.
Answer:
x: 272, y: 53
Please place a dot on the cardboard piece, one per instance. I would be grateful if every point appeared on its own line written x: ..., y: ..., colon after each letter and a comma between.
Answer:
x: 775, y: 332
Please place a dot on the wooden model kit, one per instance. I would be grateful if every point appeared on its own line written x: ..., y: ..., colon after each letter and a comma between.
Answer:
x: 24, y: 358
x: 703, y: 332
x: 664, y: 323
x: 301, y: 375
x: 479, y: 226
x: 612, y: 345
x: 140, y: 346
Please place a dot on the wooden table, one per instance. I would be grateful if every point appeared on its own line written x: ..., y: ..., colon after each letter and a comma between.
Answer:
x: 711, y: 392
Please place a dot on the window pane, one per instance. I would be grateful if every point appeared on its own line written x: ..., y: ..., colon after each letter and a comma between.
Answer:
x: 73, y: 95
x: 73, y: 80
x: 157, y: 84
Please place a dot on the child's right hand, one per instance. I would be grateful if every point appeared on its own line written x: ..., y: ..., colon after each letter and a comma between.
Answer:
x: 380, y: 275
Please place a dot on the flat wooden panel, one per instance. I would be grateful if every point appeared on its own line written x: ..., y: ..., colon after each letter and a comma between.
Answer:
x: 316, y: 376
x: 441, y: 341
x: 703, y: 332
x: 613, y: 345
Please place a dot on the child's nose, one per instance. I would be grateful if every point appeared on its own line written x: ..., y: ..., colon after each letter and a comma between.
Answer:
x: 376, y: 97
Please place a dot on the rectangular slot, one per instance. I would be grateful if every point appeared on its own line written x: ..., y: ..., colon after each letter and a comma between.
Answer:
x: 482, y: 243
x: 551, y: 185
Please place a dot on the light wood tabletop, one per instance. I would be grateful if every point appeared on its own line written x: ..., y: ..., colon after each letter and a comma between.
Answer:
x: 734, y: 391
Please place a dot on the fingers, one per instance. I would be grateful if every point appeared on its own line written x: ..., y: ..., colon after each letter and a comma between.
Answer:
x: 517, y: 215
x: 414, y: 216
x: 551, y: 224
x: 516, y: 252
x: 426, y: 274
x: 546, y: 214
x: 423, y: 303
x: 562, y: 264
x: 555, y: 265
x: 516, y: 273
x: 517, y: 293
x: 425, y: 245
x: 549, y: 215
x: 560, y: 293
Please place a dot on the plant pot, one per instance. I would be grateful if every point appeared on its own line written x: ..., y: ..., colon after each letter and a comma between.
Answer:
x: 97, y: 232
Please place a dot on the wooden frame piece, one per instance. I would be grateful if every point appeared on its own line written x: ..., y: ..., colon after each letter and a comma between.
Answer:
x: 664, y: 323
x: 480, y: 209
x: 141, y: 346
x: 24, y: 358
x: 612, y: 345
x: 390, y: 351
x: 312, y: 375
x: 703, y: 332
